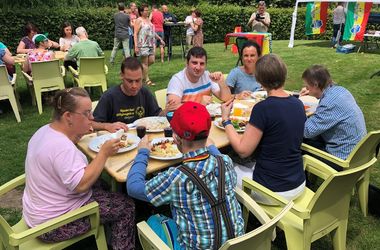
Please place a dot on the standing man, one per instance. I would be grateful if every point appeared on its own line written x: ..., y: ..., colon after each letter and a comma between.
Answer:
x: 260, y: 20
x: 127, y: 102
x: 157, y: 18
x: 339, y: 18
x: 189, y: 30
x: 85, y: 47
x: 122, y: 24
x: 168, y: 17
x: 196, y: 84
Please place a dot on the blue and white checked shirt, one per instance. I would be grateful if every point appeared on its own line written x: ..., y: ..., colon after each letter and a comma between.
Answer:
x: 190, y: 210
x: 338, y: 120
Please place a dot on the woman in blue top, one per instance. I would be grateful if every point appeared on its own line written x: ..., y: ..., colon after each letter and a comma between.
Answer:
x: 274, y: 133
x: 241, y: 79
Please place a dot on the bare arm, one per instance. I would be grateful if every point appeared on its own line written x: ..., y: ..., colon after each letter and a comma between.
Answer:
x: 136, y: 28
x: 225, y: 93
x: 173, y: 102
x: 95, y: 168
x: 21, y: 48
x: 252, y: 18
x: 7, y: 58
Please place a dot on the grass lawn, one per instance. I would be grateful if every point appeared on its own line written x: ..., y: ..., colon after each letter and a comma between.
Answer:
x: 349, y: 70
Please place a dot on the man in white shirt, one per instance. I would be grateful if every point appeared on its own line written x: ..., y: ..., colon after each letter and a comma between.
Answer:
x: 339, y: 18
x: 196, y: 84
x: 189, y: 31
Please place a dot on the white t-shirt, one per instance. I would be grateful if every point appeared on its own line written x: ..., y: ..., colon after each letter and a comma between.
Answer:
x: 180, y: 85
x: 339, y: 15
x: 189, y: 30
x: 53, y: 167
x: 68, y: 41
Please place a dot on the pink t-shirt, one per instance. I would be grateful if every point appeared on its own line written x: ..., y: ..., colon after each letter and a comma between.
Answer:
x: 158, y: 21
x: 53, y: 168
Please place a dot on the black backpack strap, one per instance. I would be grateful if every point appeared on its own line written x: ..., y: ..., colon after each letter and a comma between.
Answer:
x: 222, y: 197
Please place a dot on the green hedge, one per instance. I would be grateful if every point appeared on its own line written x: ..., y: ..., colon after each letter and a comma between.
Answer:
x: 218, y: 21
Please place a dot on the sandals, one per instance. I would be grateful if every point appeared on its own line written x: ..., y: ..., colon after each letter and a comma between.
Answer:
x: 150, y: 83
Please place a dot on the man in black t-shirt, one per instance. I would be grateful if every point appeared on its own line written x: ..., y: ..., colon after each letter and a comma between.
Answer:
x: 127, y: 102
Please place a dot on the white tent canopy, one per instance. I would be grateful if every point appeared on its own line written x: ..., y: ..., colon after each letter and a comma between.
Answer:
x: 294, y: 19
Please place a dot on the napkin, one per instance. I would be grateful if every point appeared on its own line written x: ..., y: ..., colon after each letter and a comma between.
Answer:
x: 117, y: 134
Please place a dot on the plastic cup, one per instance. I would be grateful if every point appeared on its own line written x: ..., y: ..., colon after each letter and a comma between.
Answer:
x: 239, y: 109
x: 168, y: 132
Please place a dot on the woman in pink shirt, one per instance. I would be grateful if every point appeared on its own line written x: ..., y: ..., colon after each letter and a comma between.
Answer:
x: 59, y: 178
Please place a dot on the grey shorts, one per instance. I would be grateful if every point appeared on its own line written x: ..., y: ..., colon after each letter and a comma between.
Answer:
x: 146, y: 51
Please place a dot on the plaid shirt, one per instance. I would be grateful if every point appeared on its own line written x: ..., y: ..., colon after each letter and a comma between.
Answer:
x: 190, y: 209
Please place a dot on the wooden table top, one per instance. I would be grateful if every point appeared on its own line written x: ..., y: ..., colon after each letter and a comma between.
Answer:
x: 117, y: 161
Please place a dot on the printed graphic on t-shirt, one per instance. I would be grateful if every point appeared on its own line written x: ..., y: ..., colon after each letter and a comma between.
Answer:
x: 130, y: 113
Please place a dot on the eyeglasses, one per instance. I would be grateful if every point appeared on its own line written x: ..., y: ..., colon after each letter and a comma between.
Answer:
x: 87, y: 113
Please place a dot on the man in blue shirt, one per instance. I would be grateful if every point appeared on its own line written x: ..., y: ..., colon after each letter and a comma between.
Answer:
x: 338, y: 122
x: 191, y: 210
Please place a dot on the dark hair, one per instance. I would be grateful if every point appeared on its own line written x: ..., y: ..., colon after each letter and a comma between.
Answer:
x: 29, y: 27
x: 250, y: 44
x: 270, y: 71
x: 130, y: 63
x: 121, y: 6
x: 197, y: 13
x: 64, y: 25
x: 66, y: 100
x: 317, y: 75
x: 197, y: 52
x: 142, y: 7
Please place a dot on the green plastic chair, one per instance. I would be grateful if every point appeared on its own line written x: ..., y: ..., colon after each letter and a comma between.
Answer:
x: 47, y: 76
x: 8, y: 91
x: 239, y: 44
x: 314, y: 215
x: 92, y: 72
x: 363, y: 153
x: 161, y: 97
x: 20, y: 236
x: 260, y: 238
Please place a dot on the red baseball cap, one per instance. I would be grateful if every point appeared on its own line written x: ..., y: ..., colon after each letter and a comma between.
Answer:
x: 191, y: 121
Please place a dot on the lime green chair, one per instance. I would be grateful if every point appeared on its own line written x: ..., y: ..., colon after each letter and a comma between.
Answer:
x: 161, y: 97
x: 363, y: 153
x: 314, y: 215
x: 47, y: 76
x: 260, y: 238
x: 91, y: 73
x: 20, y: 236
x: 8, y: 91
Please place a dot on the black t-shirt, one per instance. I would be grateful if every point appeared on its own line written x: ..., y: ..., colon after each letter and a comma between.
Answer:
x: 115, y: 106
x: 279, y: 164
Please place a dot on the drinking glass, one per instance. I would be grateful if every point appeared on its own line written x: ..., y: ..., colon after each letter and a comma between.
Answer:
x: 141, y: 130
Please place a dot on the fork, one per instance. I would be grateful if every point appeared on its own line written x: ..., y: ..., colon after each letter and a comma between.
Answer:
x: 124, y: 166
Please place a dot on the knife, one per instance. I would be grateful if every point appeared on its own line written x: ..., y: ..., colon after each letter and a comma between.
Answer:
x: 124, y: 166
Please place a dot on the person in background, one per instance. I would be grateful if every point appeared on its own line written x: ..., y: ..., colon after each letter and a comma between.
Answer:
x: 338, y: 123
x: 66, y: 41
x: 157, y: 18
x: 197, y: 26
x: 274, y: 132
x: 196, y: 84
x: 145, y: 41
x: 59, y: 178
x: 241, y: 79
x: 189, y: 30
x: 127, y: 102
x: 7, y: 59
x: 26, y: 43
x: 191, y: 210
x: 85, y: 47
x: 339, y: 18
x: 133, y: 15
x: 41, y: 53
x: 260, y: 20
x: 122, y: 25
x: 168, y: 18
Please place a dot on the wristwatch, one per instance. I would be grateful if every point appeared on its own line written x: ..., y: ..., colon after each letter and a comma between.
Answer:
x: 226, y: 122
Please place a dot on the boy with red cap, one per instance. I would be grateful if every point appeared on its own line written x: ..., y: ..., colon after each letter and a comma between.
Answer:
x: 193, y: 214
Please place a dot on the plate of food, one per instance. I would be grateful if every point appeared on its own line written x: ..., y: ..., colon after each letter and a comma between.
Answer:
x: 164, y: 149
x: 214, y: 109
x: 310, y: 103
x: 153, y: 123
x: 261, y: 95
x: 239, y: 123
x: 127, y: 142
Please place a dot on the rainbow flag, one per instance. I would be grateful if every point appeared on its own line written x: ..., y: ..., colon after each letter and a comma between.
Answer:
x: 316, y: 16
x: 356, y: 20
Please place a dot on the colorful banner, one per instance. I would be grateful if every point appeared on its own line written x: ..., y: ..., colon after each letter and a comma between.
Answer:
x: 356, y: 20
x: 316, y: 16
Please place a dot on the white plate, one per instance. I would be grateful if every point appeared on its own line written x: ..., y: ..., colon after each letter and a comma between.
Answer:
x: 96, y: 142
x: 260, y: 94
x: 174, y: 157
x: 214, y: 109
x: 218, y: 120
x: 153, y: 123
x: 310, y: 101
